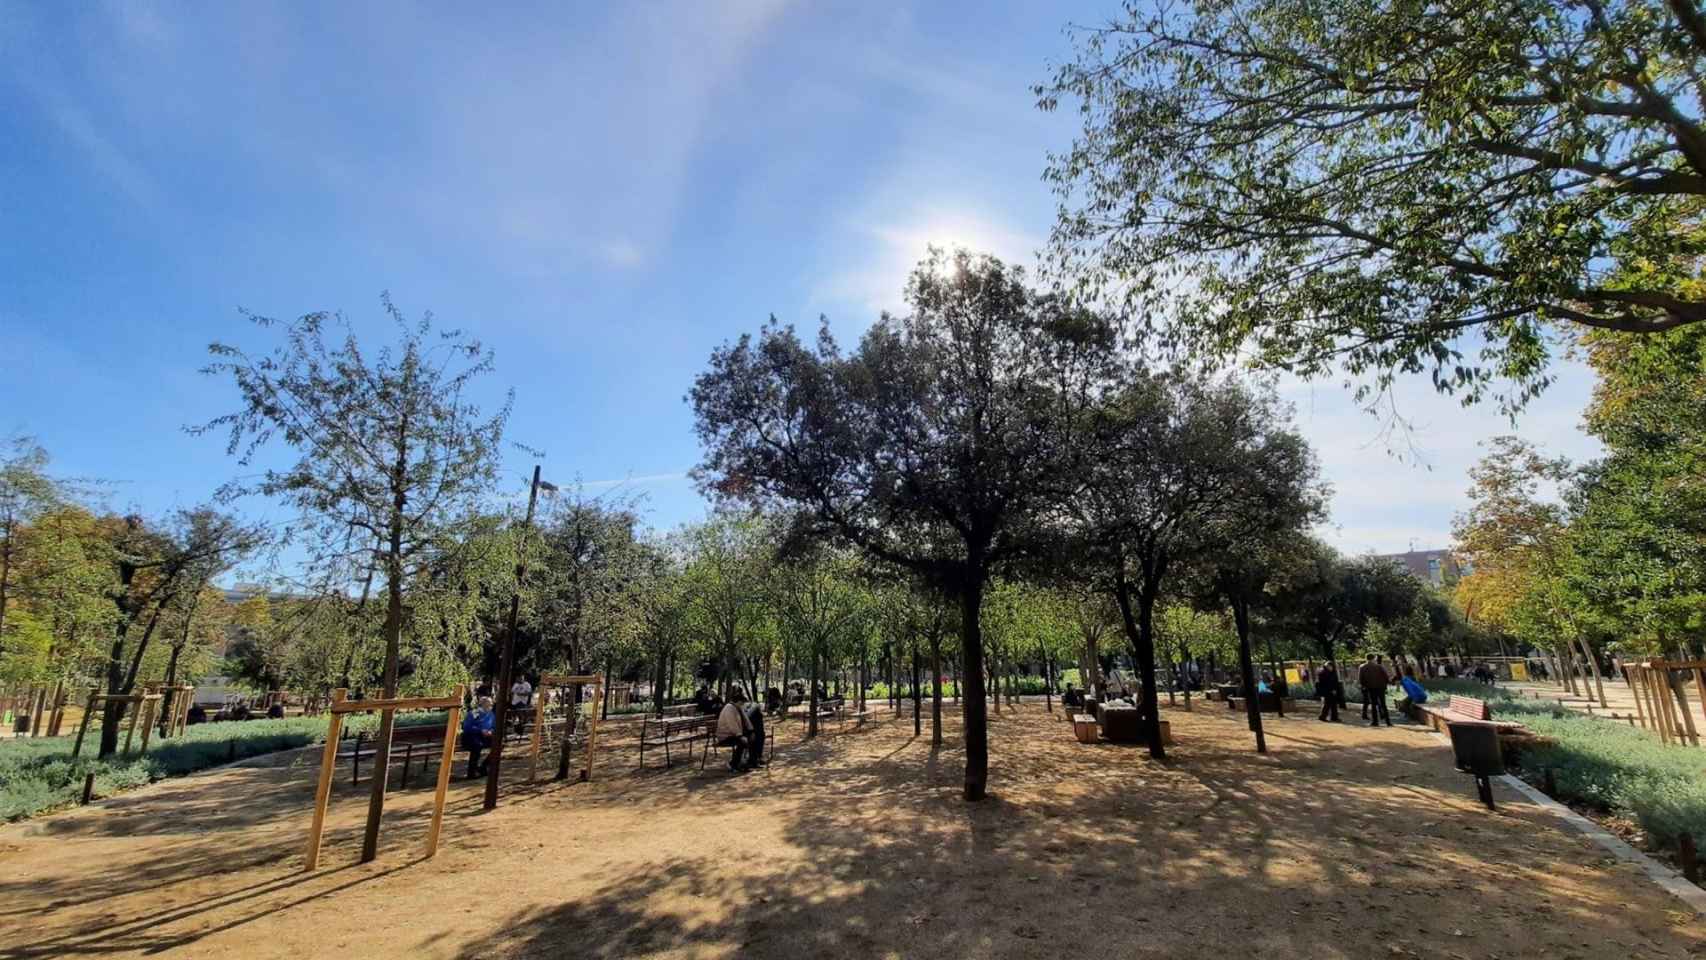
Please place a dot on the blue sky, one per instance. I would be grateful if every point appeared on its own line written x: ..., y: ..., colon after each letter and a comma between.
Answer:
x: 602, y: 194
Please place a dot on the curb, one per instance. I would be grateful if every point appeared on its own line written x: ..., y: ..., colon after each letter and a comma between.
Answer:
x: 1669, y: 880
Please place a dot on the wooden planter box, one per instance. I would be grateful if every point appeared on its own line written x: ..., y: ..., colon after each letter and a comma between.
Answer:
x: 1084, y: 728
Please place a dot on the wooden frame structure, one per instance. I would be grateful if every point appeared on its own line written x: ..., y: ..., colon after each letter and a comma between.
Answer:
x: 140, y: 703
x: 182, y: 696
x: 573, y: 682
x: 1662, y: 706
x: 329, y: 758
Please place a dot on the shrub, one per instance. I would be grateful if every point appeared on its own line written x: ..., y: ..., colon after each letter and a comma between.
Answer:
x: 38, y: 774
x: 1617, y: 769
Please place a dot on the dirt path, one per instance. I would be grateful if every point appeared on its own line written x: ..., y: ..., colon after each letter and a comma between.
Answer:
x: 1343, y: 842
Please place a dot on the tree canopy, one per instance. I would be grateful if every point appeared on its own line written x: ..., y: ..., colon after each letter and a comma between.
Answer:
x: 1388, y: 188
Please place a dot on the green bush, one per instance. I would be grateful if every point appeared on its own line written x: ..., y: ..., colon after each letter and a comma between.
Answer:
x: 38, y: 774
x: 1617, y: 769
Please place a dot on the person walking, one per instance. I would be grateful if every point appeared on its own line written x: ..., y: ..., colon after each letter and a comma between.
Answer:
x: 1331, y: 690
x: 1372, y: 677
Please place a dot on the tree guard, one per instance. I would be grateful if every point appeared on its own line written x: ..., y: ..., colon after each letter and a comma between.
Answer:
x: 574, y: 683
x: 387, y: 708
x: 138, y: 704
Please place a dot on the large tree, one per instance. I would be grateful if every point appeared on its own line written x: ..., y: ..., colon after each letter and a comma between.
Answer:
x: 937, y: 445
x: 1513, y: 529
x: 392, y: 453
x: 1390, y: 187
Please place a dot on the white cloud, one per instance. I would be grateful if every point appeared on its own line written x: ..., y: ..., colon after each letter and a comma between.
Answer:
x: 621, y: 253
x: 1392, y: 487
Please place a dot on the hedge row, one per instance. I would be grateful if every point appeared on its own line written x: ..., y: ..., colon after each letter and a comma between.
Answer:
x: 38, y: 774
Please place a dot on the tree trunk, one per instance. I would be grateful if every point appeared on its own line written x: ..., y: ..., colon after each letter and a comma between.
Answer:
x: 973, y: 702
x: 1593, y: 664
x: 917, y: 695
x: 811, y: 716
x: 935, y: 691
x: 1241, y: 616
x: 1048, y: 684
x: 1140, y: 630
x: 388, y: 689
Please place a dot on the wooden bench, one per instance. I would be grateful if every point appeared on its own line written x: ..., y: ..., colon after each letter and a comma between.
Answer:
x: 404, y: 741
x: 674, y: 731
x: 1459, y: 709
x: 1265, y: 703
x: 712, y: 743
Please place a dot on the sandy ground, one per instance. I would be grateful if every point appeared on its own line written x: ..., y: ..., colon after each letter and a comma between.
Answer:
x: 1619, y: 700
x: 1342, y: 842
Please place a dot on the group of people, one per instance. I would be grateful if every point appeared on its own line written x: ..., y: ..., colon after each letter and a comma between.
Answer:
x: 1374, y: 680
x: 480, y: 722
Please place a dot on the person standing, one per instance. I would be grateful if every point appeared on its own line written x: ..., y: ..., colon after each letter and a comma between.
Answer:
x: 1331, y: 691
x: 755, y: 719
x: 1372, y: 678
x: 520, y: 701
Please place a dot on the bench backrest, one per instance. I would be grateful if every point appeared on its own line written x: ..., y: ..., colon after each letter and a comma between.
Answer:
x: 1471, y: 707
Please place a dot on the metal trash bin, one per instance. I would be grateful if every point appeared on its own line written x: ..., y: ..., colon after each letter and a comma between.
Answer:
x: 1476, y: 749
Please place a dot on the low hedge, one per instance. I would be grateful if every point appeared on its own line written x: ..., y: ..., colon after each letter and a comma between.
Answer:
x: 38, y: 774
x: 1616, y: 769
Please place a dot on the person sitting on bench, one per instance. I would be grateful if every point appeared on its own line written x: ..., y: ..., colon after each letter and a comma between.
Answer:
x: 477, y: 729
x: 704, y: 701
x: 1413, y: 691
x: 773, y: 700
x: 197, y: 714
x: 1072, y: 697
x: 735, y: 730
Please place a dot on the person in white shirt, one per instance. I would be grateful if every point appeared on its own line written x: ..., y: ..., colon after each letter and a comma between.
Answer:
x: 735, y: 730
x: 520, y: 701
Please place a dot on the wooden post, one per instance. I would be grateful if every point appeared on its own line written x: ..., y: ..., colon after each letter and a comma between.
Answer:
x: 1635, y: 693
x: 135, y: 705
x: 539, y: 698
x: 1661, y: 704
x: 1678, y: 689
x: 88, y: 788
x: 452, y: 721
x: 323, y: 790
x: 147, y: 706
x: 1685, y: 853
x: 592, y: 736
x: 83, y: 727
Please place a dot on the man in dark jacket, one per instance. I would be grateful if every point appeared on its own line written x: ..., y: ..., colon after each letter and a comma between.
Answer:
x: 1372, y: 678
x: 1331, y: 691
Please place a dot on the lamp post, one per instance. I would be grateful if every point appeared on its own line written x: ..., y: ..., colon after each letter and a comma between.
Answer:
x: 506, y: 661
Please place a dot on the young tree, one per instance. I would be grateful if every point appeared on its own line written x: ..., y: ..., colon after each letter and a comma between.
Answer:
x: 1512, y: 529
x: 1176, y: 458
x: 151, y: 570
x: 730, y: 561
x: 936, y: 446
x: 820, y: 605
x: 392, y: 455
x: 1390, y: 188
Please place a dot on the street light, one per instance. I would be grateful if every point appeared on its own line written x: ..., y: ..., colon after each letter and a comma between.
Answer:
x: 506, y: 662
